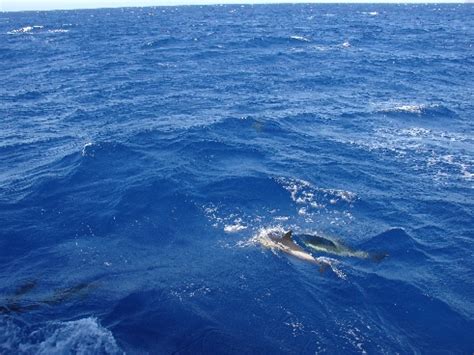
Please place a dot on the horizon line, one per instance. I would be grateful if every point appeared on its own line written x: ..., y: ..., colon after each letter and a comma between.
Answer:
x: 261, y: 2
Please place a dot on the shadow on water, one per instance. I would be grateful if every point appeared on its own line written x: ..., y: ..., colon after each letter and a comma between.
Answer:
x: 17, y: 304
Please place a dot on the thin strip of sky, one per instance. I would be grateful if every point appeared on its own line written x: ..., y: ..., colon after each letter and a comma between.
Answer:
x: 26, y: 5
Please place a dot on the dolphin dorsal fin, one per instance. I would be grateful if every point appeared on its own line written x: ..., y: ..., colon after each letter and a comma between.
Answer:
x: 287, y: 236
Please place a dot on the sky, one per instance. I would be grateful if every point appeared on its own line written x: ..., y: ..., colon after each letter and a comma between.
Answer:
x: 24, y: 5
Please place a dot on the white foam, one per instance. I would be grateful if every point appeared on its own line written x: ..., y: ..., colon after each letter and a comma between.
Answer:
x: 439, y: 153
x: 189, y: 291
x: 461, y: 164
x: 304, y: 193
x: 262, y: 237
x: 300, y: 38
x: 333, y: 264
x: 26, y: 29
x: 467, y: 175
x: 415, y: 132
x: 410, y: 108
x: 234, y: 228
x: 297, y: 327
x: 59, y: 30
x: 82, y: 336
x: 86, y: 147
x: 321, y: 48
x: 346, y: 44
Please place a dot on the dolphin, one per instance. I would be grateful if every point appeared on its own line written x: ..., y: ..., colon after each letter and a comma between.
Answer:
x: 287, y: 245
x: 329, y: 246
x: 14, y: 304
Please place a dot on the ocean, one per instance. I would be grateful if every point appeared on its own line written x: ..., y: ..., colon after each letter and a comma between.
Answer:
x: 145, y: 153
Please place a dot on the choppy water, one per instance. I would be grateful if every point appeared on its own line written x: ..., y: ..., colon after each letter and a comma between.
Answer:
x: 143, y: 151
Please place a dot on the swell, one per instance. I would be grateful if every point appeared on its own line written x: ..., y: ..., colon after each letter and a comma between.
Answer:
x: 84, y: 335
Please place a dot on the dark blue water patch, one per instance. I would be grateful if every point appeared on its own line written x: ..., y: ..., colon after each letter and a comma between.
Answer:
x: 421, y: 112
x: 422, y: 308
x: 399, y: 246
x: 166, y: 314
x: 246, y: 189
x: 164, y: 43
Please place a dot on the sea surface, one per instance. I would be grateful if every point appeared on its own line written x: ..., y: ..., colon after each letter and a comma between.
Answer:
x: 144, y: 152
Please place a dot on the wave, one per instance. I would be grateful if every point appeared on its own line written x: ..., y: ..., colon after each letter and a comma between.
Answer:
x: 26, y: 29
x: 418, y: 110
x: 300, y: 38
x: 396, y: 240
x: 406, y: 298
x: 34, y: 29
x: 370, y: 13
x: 82, y: 336
x: 293, y: 203
x: 162, y: 42
x: 304, y: 193
x: 270, y: 41
x: 58, y: 30
x: 173, y: 323
x: 422, y: 147
x: 247, y: 124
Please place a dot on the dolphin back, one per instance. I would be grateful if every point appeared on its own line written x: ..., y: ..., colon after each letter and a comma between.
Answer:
x: 317, y: 240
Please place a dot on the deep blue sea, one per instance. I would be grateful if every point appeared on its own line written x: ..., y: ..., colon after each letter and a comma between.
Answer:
x: 144, y: 152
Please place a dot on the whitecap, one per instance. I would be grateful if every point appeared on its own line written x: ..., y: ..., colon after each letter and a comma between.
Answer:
x: 299, y: 38
x: 82, y: 336
x: 26, y: 29
x: 410, y: 108
x: 304, y: 193
x: 415, y: 132
x: 86, y: 148
x: 59, y: 30
x: 417, y: 108
x: 466, y: 174
x: 321, y: 48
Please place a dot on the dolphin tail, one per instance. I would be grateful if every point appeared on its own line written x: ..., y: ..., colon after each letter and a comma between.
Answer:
x: 12, y: 305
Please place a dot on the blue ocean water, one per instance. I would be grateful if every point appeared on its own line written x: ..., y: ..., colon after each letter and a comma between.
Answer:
x: 144, y: 152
